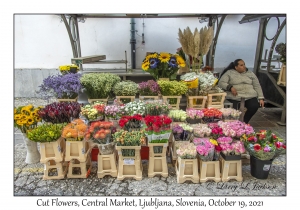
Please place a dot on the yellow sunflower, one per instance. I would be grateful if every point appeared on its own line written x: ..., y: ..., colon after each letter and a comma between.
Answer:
x: 38, y: 119
x: 164, y: 57
x: 25, y: 111
x: 153, y: 55
x: 145, y: 65
x: 15, y: 110
x: 180, y: 61
x: 21, y: 122
x: 17, y: 116
x: 30, y: 121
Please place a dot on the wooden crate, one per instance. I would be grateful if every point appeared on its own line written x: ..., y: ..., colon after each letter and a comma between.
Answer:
x: 83, y: 168
x: 53, y: 150
x: 144, y: 98
x: 120, y: 98
x: 215, y: 100
x: 100, y: 99
x: 174, y: 106
x: 54, y: 170
x: 129, y: 166
x: 209, y: 170
x: 107, y: 165
x: 196, y: 102
x: 187, y: 169
x: 77, y: 150
x: 157, y: 161
x: 231, y: 170
x: 67, y: 99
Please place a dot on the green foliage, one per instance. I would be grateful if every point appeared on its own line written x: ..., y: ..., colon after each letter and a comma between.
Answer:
x: 172, y: 88
x: 99, y: 85
x: 46, y: 132
x: 126, y: 88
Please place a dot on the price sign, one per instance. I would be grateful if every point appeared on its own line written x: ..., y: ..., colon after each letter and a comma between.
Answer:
x: 128, y: 161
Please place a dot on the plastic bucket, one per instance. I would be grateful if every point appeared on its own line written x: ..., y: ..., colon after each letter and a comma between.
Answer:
x: 260, y: 168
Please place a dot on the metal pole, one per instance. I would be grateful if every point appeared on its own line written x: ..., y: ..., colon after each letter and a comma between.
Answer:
x: 132, y: 42
x: 70, y: 36
x: 259, y: 46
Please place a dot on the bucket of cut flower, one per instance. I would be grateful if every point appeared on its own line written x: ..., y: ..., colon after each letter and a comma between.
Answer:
x: 263, y: 147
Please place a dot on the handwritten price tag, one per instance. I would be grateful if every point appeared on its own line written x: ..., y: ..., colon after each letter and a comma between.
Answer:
x: 128, y: 161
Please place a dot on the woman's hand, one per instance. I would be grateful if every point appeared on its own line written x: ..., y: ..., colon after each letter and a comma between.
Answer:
x: 262, y: 103
x: 233, y: 91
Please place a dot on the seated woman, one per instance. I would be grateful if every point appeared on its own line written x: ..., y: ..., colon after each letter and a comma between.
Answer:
x: 241, y: 83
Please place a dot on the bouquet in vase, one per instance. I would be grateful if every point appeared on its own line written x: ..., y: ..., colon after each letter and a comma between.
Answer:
x: 202, y: 130
x: 211, y: 115
x: 230, y: 114
x: 130, y: 123
x: 94, y: 111
x: 194, y: 115
x: 205, y: 149
x: 162, y: 65
x: 75, y: 130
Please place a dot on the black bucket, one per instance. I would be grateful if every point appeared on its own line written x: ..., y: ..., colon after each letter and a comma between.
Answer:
x: 260, y: 168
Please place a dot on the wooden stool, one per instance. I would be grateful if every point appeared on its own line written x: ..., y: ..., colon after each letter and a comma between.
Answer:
x: 60, y: 169
x: 209, y: 170
x: 129, y: 166
x: 216, y: 100
x: 231, y: 170
x: 84, y: 167
x: 174, y: 106
x: 78, y: 150
x: 53, y: 151
x: 196, y: 102
x: 107, y: 165
x: 157, y: 161
x: 187, y: 169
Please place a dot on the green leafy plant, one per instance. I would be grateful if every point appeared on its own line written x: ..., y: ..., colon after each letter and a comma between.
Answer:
x: 172, y: 88
x: 126, y: 88
x: 98, y: 85
x: 46, y: 132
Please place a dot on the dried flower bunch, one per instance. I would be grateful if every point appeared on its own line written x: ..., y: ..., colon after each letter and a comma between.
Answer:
x: 196, y: 44
x: 264, y: 145
x: 126, y: 88
x: 99, y: 85
x: 149, y: 88
x: 281, y: 50
x: 60, y: 112
x: 75, y: 130
x: 162, y: 65
x: 60, y: 86
x: 26, y: 117
x: 46, y: 132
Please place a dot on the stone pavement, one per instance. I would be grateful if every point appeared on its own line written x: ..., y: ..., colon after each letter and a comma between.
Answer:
x: 28, y: 177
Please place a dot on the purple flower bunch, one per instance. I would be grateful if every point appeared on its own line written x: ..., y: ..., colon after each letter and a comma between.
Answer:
x: 60, y: 86
x: 194, y: 113
x: 177, y: 129
x: 224, y: 140
x: 235, y: 128
x: 149, y: 88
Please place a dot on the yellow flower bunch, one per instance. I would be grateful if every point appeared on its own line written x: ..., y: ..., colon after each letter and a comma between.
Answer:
x: 214, y: 142
x: 163, y: 64
x: 26, y: 117
x: 68, y: 68
x: 172, y: 88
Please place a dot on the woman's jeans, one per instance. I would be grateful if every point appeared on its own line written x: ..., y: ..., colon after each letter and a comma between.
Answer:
x: 252, y: 106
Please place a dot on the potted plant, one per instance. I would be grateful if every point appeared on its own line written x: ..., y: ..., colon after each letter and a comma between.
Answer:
x: 148, y: 89
x: 27, y: 118
x: 163, y: 65
x: 66, y: 69
x: 94, y: 111
x: 172, y: 91
x: 60, y: 112
x: 263, y: 147
x: 125, y: 91
x: 98, y: 85
x: 64, y: 87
